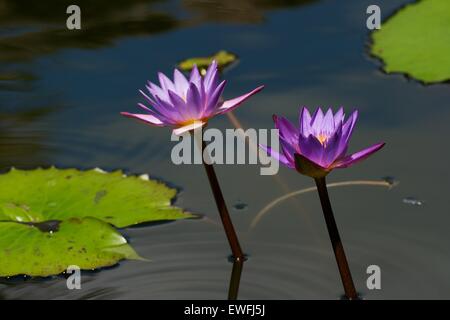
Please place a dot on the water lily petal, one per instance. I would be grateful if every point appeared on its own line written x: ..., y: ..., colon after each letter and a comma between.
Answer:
x: 305, y: 122
x: 279, y: 156
x: 157, y: 91
x: 213, y: 99
x: 316, y: 121
x: 189, y: 127
x: 143, y: 106
x: 339, y: 117
x: 287, y: 150
x: 181, y: 83
x: 347, y: 130
x: 358, y: 156
x: 177, y: 102
x: 349, y: 125
x: 332, y: 151
x: 311, y: 148
x: 167, y: 110
x: 286, y: 129
x: 156, y: 114
x: 147, y: 118
x: 234, y: 103
x: 195, y: 76
x: 327, y: 126
x: 194, y: 102
x: 211, y: 78
x: 202, y: 95
x: 165, y: 82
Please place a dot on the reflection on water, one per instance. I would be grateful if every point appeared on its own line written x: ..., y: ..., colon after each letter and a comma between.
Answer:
x: 235, y: 279
x: 242, y: 11
x: 102, y: 23
x: 61, y: 92
x: 21, y: 142
x: 32, y: 29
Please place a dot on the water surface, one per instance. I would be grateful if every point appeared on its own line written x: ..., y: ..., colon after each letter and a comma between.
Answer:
x: 61, y: 92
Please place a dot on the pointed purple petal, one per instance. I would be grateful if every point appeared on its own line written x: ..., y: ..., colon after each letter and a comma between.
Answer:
x: 286, y: 129
x: 347, y: 129
x: 339, y: 117
x: 167, y: 110
x: 327, y: 126
x: 183, y: 113
x: 305, y: 122
x: 181, y: 83
x: 287, y: 150
x: 147, y: 118
x: 157, y: 91
x: 349, y: 125
x: 176, y: 100
x: 194, y: 102
x: 203, y: 97
x: 213, y: 99
x: 195, y: 76
x: 316, y: 122
x: 274, y: 154
x: 147, y: 97
x: 211, y: 78
x: 358, y: 156
x: 157, y: 114
x: 234, y: 103
x: 144, y: 107
x: 331, y: 152
x: 166, y: 83
x: 311, y: 148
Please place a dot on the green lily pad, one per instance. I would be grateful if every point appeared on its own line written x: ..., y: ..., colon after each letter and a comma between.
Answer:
x: 415, y: 41
x: 54, y: 194
x: 87, y: 243
x: 51, y: 218
x: 223, y: 58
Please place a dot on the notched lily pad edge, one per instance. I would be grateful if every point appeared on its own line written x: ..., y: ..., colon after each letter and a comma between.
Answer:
x: 380, y: 61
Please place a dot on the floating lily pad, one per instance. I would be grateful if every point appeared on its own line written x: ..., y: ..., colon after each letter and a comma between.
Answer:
x: 53, y: 194
x: 223, y: 58
x: 88, y: 243
x: 51, y: 219
x: 415, y: 41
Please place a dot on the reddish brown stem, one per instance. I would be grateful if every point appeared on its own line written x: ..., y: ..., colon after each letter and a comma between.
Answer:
x: 223, y: 210
x: 336, y: 242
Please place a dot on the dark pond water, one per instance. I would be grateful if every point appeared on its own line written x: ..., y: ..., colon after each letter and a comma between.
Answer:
x: 61, y: 104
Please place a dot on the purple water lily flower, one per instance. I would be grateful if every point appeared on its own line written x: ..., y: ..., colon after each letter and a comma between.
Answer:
x: 320, y: 143
x: 187, y: 104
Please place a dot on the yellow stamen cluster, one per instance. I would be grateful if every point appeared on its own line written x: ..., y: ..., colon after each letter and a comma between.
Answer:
x: 322, y: 138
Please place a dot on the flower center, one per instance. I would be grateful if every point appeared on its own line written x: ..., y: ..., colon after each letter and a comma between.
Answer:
x: 322, y: 138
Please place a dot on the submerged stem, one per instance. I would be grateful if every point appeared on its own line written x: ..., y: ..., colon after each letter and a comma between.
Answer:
x: 336, y: 242
x: 235, y: 279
